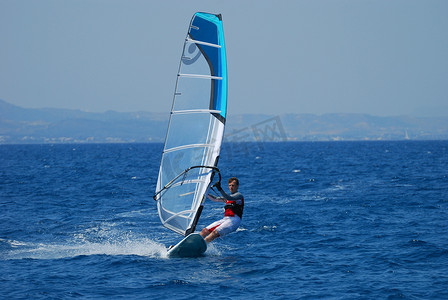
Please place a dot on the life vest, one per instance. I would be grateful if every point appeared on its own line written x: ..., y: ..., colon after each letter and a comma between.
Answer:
x: 232, y: 208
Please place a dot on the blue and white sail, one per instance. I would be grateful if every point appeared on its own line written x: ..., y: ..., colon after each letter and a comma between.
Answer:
x: 196, y: 126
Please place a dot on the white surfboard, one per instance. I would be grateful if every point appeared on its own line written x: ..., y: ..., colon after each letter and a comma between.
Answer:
x: 193, y: 245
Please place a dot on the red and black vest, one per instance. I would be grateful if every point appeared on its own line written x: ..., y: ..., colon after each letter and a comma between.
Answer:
x: 233, y: 208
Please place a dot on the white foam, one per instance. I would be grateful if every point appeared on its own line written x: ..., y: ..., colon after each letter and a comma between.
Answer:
x: 142, y: 247
x: 97, y: 240
x: 12, y: 243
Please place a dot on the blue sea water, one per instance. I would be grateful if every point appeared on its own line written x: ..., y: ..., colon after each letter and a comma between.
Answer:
x: 323, y: 220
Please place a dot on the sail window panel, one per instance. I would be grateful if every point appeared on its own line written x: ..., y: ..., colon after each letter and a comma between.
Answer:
x: 181, y: 195
x: 188, y: 129
x: 194, y: 61
x: 174, y: 163
x: 178, y: 222
x: 178, y: 198
x: 192, y: 93
x: 180, y: 201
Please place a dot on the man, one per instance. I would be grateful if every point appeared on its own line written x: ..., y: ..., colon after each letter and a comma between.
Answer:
x: 232, y: 215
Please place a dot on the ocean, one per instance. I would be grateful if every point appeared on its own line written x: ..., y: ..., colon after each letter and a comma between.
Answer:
x: 322, y: 220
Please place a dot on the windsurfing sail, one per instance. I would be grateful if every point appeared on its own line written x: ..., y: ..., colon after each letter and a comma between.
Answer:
x: 196, y: 126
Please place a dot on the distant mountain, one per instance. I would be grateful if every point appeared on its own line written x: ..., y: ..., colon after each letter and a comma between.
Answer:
x: 49, y: 125
x: 335, y: 127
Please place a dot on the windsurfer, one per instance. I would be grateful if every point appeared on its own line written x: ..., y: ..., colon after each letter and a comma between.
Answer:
x: 232, y: 215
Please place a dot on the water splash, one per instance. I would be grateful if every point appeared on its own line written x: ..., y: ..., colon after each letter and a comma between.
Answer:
x: 141, y: 246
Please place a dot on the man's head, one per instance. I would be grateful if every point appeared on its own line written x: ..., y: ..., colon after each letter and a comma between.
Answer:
x: 233, y: 184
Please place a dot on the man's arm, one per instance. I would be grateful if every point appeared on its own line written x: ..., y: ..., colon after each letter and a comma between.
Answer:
x: 216, y: 199
x: 233, y: 197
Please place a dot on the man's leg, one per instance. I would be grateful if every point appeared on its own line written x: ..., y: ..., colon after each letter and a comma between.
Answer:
x: 212, y: 236
x: 204, y: 232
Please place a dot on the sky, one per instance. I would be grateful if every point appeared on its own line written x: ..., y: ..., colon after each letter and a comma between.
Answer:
x: 378, y: 57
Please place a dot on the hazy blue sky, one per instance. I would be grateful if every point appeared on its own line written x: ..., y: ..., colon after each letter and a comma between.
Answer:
x: 381, y: 57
